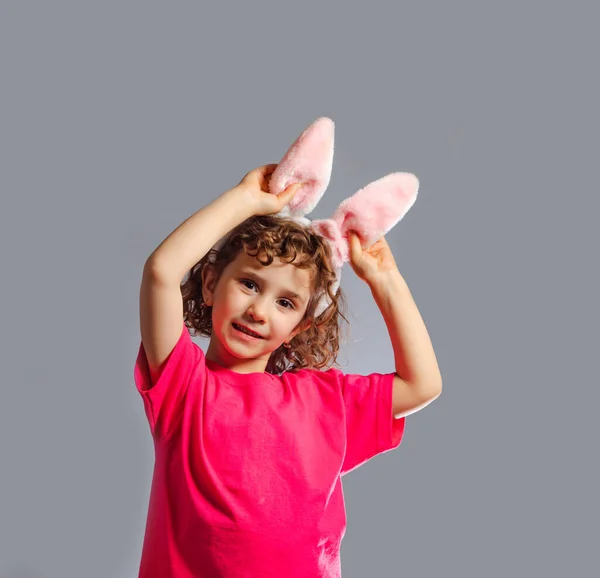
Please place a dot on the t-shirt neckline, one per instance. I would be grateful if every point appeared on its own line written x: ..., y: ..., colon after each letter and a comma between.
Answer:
x: 238, y: 377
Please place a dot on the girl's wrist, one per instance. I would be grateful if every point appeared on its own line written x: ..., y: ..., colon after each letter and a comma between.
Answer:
x: 391, y: 278
x: 243, y: 199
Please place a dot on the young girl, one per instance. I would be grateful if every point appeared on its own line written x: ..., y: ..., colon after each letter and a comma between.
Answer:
x: 251, y: 439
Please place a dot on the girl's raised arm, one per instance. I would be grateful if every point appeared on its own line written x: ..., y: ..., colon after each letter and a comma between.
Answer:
x: 161, y: 305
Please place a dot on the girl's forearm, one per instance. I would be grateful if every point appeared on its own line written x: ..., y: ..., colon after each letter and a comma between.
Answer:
x: 415, y: 358
x: 194, y: 238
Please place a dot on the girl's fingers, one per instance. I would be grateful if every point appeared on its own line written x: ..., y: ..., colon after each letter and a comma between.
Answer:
x: 355, y: 246
x: 289, y: 193
x: 264, y: 176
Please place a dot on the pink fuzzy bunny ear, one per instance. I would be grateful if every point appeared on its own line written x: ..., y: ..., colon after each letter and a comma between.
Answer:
x: 309, y: 160
x: 371, y: 212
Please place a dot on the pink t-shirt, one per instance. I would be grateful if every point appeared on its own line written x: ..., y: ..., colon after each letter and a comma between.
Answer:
x: 247, y: 474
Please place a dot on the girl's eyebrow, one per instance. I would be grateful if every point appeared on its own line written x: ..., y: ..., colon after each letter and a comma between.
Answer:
x: 252, y: 275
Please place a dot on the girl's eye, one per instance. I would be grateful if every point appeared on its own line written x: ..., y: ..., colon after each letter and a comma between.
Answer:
x: 249, y: 284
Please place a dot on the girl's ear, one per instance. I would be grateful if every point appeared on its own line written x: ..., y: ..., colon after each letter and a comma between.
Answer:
x: 304, y: 325
x: 209, y: 281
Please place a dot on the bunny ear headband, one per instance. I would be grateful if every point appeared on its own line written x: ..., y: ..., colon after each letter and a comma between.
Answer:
x: 370, y: 213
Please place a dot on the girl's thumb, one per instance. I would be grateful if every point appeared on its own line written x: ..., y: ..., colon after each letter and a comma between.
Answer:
x: 354, y: 246
x: 290, y: 192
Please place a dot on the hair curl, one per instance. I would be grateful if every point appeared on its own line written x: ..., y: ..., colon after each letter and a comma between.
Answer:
x: 268, y: 237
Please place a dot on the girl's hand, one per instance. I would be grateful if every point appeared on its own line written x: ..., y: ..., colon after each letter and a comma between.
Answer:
x: 256, y: 184
x: 370, y: 263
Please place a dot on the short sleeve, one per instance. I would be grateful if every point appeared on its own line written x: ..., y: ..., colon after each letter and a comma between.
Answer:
x: 371, y: 428
x: 165, y: 400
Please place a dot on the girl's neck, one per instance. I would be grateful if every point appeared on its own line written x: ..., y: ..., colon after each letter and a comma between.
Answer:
x: 216, y: 355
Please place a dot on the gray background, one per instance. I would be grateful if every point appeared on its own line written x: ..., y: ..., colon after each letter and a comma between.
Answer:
x: 118, y: 120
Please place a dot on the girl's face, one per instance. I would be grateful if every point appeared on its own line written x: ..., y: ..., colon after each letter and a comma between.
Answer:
x: 268, y: 302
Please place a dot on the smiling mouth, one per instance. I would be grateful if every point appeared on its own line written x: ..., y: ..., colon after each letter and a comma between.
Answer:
x: 247, y: 331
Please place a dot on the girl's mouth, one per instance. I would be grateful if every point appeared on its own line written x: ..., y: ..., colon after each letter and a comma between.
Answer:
x: 247, y: 331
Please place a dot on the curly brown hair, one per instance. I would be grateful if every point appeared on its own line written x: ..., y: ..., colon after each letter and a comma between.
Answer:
x: 268, y: 237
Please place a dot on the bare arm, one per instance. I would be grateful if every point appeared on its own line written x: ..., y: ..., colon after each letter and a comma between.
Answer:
x: 418, y: 380
x: 192, y: 240
x: 161, y: 305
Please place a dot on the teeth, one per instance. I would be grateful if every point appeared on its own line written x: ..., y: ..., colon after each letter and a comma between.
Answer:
x: 247, y: 331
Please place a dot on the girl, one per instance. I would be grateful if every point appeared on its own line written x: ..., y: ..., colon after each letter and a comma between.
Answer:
x: 252, y: 437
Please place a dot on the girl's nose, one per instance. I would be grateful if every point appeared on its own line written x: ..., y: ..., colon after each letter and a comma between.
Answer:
x: 257, y: 311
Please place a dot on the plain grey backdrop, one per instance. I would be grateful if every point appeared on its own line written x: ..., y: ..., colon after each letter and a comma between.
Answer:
x: 118, y: 120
